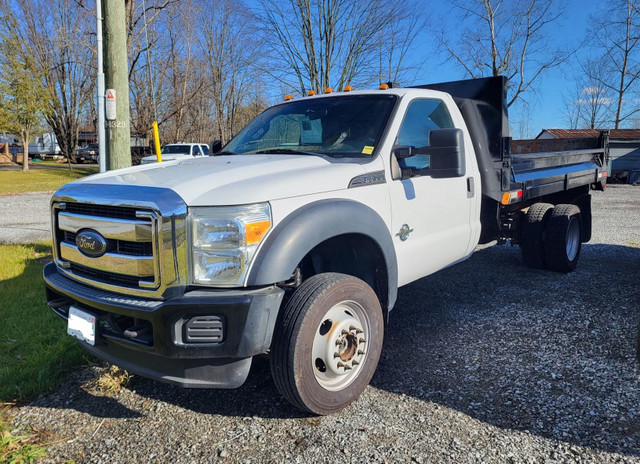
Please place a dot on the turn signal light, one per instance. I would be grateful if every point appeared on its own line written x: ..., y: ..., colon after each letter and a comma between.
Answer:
x: 511, y: 197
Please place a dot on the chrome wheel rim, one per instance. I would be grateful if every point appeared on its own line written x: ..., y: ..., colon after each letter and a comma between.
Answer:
x: 573, y: 239
x: 340, y: 345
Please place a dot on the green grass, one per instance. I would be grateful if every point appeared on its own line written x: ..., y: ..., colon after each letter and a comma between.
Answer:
x: 41, y: 180
x: 35, y: 351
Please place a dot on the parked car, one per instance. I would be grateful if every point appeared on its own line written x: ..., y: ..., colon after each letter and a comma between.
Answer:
x: 177, y: 151
x: 88, y: 154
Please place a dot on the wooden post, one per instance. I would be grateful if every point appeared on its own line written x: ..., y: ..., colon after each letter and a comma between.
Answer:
x: 116, y: 73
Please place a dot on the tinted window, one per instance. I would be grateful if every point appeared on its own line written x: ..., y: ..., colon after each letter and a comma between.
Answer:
x: 176, y: 150
x: 205, y: 150
x: 197, y: 151
x: 421, y: 118
x: 335, y: 126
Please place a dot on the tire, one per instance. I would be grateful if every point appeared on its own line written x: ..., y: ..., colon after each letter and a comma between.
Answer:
x: 532, y: 235
x: 563, y: 238
x: 327, y: 343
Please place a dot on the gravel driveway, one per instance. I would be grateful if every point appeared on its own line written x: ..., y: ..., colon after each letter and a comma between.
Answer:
x: 25, y: 218
x: 486, y: 361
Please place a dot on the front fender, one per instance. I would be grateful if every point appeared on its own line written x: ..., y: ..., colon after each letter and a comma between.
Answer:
x: 312, y: 224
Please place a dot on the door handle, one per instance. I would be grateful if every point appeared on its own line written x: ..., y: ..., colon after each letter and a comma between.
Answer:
x: 471, y: 190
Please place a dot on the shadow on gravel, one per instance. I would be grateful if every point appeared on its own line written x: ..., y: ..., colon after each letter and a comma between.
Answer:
x: 257, y: 397
x: 545, y: 353
x: 98, y: 406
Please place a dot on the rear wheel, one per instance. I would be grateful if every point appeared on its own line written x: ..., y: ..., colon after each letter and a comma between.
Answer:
x: 563, y: 234
x: 327, y: 343
x: 532, y: 235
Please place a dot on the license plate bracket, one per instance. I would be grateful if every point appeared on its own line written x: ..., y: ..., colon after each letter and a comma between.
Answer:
x: 82, y: 325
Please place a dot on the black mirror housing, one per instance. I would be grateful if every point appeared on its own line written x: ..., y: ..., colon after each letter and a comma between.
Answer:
x: 403, y: 151
x: 215, y: 147
x: 446, y: 147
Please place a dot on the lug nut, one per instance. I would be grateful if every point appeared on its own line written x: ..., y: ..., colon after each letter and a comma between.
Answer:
x: 362, y: 340
x: 355, y: 362
x: 336, y: 355
x: 360, y: 352
x: 338, y: 342
x: 340, y: 364
x: 347, y: 367
x: 344, y: 332
x: 352, y: 327
x: 358, y: 331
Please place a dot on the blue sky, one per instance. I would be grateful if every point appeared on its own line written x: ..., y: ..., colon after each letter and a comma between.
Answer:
x: 546, y: 104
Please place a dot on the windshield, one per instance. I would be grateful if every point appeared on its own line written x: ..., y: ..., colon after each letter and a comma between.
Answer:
x: 334, y: 126
x: 176, y: 150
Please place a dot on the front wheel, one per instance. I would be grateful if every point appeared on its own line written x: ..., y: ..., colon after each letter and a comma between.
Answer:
x: 327, y: 343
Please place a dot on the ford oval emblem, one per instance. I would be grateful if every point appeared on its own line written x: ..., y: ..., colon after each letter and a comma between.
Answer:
x: 91, y: 243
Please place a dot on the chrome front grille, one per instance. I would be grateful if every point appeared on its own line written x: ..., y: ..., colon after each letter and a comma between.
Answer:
x: 141, y: 233
x: 131, y: 237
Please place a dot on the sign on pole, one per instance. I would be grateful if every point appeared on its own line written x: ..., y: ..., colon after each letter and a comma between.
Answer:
x: 110, y: 106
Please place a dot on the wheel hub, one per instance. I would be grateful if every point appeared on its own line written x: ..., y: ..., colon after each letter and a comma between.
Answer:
x: 345, y: 346
x: 339, y: 346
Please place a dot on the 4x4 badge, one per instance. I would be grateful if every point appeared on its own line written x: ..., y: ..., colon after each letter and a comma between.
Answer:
x: 404, y: 232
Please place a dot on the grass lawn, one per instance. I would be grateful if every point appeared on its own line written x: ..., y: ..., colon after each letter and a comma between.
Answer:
x: 35, y: 351
x: 41, y: 180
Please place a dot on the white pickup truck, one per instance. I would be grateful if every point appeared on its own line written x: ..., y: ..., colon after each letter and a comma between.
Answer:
x: 293, y: 240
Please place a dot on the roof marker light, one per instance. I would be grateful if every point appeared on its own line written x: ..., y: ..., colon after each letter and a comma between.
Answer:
x: 383, y: 86
x: 328, y: 90
x: 348, y: 88
x: 288, y: 97
x: 311, y: 93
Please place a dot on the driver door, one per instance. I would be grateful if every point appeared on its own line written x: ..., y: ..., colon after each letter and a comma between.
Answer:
x: 431, y: 218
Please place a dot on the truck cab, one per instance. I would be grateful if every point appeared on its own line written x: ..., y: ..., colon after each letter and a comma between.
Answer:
x: 291, y: 241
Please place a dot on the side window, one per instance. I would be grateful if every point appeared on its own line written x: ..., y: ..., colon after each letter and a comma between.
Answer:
x: 196, y: 151
x: 205, y: 150
x: 421, y: 117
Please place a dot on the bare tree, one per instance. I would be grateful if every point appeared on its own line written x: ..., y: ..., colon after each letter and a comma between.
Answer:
x: 230, y: 56
x: 58, y: 32
x: 505, y: 37
x: 618, y: 35
x: 332, y: 43
x: 590, y: 106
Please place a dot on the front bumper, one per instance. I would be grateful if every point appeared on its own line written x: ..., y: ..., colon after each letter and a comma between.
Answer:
x: 159, y: 349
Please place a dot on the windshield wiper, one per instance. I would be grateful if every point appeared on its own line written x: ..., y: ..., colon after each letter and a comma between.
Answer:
x: 289, y: 151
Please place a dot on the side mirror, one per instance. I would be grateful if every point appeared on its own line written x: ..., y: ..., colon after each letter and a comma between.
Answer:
x: 446, y: 147
x: 403, y: 151
x: 215, y: 147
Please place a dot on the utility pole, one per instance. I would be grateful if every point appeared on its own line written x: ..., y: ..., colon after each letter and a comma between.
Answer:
x: 102, y: 145
x: 116, y: 70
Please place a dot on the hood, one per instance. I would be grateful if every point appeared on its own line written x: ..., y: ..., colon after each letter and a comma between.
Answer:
x: 235, y: 180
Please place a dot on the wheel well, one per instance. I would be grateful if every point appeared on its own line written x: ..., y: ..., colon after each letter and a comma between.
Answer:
x: 352, y: 254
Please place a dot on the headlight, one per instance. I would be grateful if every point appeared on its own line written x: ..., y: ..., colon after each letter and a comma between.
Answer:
x: 224, y: 240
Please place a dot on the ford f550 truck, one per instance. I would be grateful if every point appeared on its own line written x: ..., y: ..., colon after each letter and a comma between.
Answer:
x: 293, y: 240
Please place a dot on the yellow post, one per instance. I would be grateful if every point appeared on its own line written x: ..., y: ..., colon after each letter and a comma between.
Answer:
x: 156, y: 140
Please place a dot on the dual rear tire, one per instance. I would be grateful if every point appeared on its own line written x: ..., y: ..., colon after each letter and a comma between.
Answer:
x: 551, y: 237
